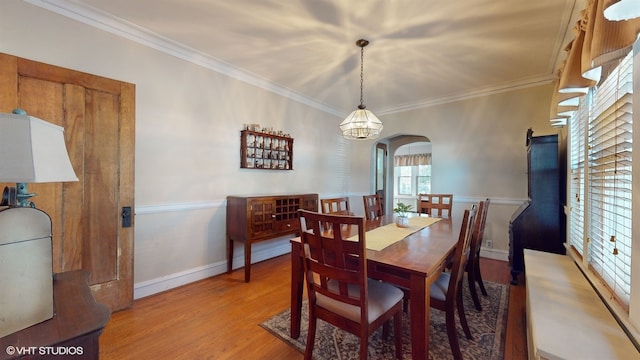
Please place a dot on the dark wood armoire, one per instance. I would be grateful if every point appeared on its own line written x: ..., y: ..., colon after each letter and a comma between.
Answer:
x: 539, y: 224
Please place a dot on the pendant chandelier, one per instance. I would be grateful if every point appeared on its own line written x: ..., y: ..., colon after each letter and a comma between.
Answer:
x: 361, y: 124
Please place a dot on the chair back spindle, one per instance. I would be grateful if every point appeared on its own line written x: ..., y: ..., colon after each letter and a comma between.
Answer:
x: 372, y: 206
x: 439, y: 205
x: 473, y: 265
x: 336, y: 206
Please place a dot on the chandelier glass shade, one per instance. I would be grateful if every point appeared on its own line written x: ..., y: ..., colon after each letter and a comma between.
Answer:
x: 361, y: 124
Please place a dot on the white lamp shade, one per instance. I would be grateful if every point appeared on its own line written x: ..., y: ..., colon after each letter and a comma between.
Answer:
x: 570, y: 101
x: 558, y: 122
x: 567, y: 111
x: 361, y: 124
x: 622, y: 10
x: 33, y: 151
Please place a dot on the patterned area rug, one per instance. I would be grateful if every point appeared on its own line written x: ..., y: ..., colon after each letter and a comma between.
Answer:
x: 487, y: 327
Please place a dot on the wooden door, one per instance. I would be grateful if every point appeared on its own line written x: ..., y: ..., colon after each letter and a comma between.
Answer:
x: 381, y: 173
x: 98, y: 115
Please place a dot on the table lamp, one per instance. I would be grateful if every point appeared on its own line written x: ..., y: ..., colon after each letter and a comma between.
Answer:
x: 31, y: 150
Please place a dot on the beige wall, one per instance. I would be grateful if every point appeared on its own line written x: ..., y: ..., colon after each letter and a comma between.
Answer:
x: 478, y: 149
x: 188, y: 119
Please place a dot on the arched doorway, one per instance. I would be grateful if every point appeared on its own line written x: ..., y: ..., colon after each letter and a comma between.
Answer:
x: 415, y: 151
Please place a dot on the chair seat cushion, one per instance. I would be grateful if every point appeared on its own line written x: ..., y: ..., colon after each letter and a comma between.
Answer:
x: 382, y: 297
x: 439, y: 287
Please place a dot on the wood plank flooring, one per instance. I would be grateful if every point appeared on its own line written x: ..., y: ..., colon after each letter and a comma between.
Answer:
x: 218, y: 317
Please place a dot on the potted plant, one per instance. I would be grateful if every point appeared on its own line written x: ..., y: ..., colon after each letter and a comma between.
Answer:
x: 402, y: 210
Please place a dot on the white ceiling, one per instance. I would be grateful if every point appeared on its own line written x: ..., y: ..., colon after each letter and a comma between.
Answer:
x: 421, y: 52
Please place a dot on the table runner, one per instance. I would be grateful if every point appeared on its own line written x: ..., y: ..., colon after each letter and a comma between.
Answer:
x: 379, y: 238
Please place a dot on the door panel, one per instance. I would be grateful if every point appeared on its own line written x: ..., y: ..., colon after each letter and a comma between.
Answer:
x: 74, y: 123
x: 44, y: 100
x: 381, y: 173
x: 98, y: 117
x: 101, y: 170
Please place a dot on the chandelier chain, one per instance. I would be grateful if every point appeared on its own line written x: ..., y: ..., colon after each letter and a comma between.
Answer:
x: 361, y: 75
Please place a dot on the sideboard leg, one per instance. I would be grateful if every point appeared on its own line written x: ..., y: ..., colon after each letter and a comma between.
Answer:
x: 247, y: 261
x: 229, y: 255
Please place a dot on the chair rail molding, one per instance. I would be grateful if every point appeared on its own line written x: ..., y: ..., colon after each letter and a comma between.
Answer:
x: 161, y: 208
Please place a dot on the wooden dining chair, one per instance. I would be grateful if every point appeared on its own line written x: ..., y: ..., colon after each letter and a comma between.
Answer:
x: 473, y: 265
x: 372, y: 206
x: 336, y: 206
x: 446, y: 290
x: 338, y: 288
x: 439, y: 205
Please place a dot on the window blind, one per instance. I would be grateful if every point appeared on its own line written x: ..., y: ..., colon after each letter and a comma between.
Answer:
x: 577, y: 126
x: 609, y: 183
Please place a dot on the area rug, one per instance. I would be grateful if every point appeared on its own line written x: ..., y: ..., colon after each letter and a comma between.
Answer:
x: 487, y: 327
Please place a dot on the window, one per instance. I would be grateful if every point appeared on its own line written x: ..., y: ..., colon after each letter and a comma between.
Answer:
x: 413, y: 174
x: 419, y: 175
x: 600, y: 149
x: 610, y: 180
x: 424, y: 179
x: 404, y: 180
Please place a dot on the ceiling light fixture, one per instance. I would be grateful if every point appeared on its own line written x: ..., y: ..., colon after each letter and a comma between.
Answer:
x: 361, y: 124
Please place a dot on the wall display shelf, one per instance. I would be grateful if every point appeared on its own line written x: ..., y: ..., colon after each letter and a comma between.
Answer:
x: 251, y: 219
x: 266, y: 150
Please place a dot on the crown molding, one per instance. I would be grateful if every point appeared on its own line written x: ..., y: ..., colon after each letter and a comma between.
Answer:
x: 512, y: 86
x: 117, y: 26
x: 122, y: 28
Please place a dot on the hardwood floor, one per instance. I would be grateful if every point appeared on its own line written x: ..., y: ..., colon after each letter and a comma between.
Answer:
x: 218, y: 317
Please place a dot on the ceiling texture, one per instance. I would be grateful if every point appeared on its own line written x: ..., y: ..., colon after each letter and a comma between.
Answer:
x: 421, y: 52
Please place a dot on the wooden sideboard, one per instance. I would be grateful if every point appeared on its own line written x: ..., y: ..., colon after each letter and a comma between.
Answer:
x: 73, y: 331
x: 251, y: 219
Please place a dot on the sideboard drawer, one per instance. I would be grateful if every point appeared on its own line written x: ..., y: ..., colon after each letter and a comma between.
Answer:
x: 289, y: 225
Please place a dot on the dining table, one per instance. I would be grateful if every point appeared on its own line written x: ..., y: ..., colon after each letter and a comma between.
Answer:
x: 411, y: 262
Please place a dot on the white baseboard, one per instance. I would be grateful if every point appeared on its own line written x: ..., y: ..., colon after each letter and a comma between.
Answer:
x: 496, y: 254
x: 157, y: 285
x: 164, y: 283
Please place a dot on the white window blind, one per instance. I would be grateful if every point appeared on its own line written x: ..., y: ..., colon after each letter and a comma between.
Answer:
x: 577, y: 126
x: 609, y: 184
